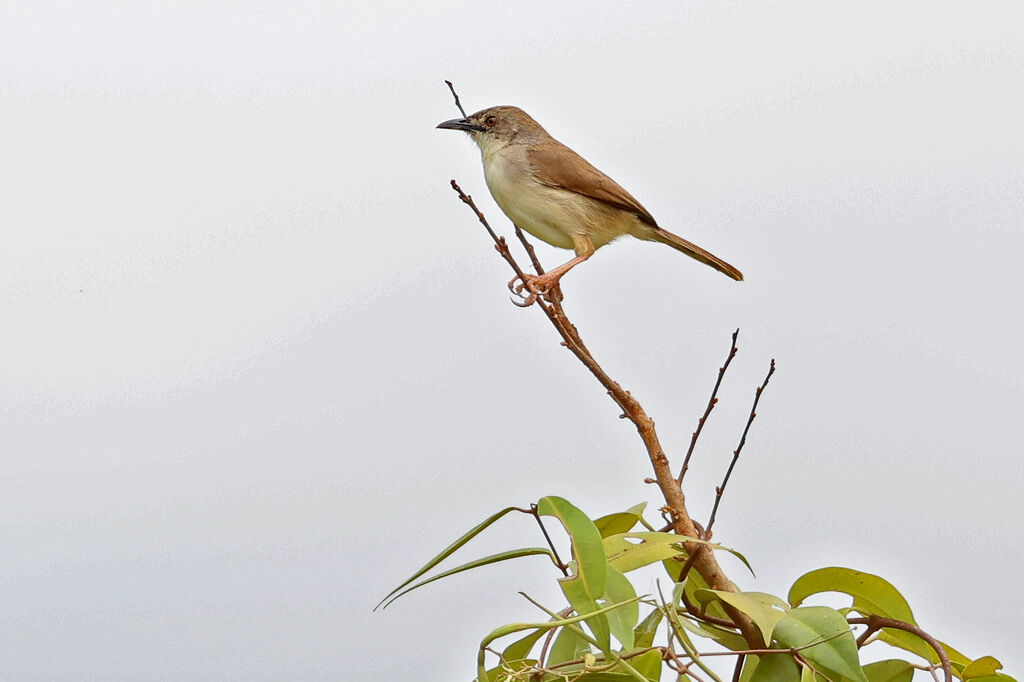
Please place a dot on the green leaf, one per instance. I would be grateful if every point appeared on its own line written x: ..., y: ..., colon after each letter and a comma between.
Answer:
x: 638, y: 509
x: 627, y: 556
x: 449, y: 550
x: 643, y: 634
x: 695, y: 582
x: 808, y: 675
x: 622, y: 620
x: 648, y: 664
x: 836, y: 655
x: 772, y: 668
x: 758, y: 605
x: 629, y: 551
x: 908, y: 641
x: 620, y: 522
x: 587, y: 585
x: 506, y: 630
x: 872, y: 595
x: 520, y: 649
x: 981, y: 667
x: 568, y: 646
x: 585, y: 606
x: 891, y: 670
x: 492, y: 559
x: 730, y: 640
x: 500, y: 672
x: 587, y: 550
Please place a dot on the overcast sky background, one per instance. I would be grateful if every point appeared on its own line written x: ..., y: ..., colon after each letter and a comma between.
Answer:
x: 258, y: 363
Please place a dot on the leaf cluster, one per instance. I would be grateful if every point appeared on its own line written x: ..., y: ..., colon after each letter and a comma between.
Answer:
x: 607, y: 632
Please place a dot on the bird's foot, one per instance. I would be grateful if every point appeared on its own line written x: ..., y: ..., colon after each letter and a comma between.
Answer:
x: 530, y: 287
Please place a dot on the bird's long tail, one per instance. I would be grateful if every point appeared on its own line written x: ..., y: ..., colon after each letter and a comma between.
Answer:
x: 695, y: 252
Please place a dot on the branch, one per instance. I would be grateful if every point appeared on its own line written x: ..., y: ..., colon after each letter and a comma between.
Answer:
x: 736, y: 453
x: 561, y: 564
x: 711, y: 405
x: 456, y: 96
x: 878, y: 622
x: 705, y: 563
x: 738, y: 668
x: 529, y: 250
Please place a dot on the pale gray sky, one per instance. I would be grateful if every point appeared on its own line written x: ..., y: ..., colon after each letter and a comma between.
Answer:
x: 258, y: 363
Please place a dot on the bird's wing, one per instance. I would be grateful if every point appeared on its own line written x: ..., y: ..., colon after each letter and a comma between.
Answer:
x: 556, y: 165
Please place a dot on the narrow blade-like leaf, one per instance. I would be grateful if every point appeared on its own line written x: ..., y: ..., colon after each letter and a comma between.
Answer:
x: 492, y: 559
x: 449, y: 550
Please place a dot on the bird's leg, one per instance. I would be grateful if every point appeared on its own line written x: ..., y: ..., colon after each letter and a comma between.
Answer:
x: 547, y: 284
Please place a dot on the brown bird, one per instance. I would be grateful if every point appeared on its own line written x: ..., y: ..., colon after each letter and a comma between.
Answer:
x: 554, y: 194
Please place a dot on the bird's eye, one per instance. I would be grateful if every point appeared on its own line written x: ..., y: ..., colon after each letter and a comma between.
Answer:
x: 490, y: 121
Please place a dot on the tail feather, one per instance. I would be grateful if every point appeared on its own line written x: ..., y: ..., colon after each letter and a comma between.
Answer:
x: 695, y: 252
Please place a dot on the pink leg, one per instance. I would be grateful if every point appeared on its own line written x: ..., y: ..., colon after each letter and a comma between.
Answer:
x: 548, y: 282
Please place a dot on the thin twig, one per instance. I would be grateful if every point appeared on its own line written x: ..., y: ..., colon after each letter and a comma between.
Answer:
x: 762, y: 652
x: 699, y: 614
x: 685, y: 570
x: 500, y: 245
x: 736, y: 453
x: 564, y: 613
x: 877, y: 622
x: 456, y: 96
x: 711, y: 405
x: 742, y: 657
x: 529, y: 250
x: 676, y: 631
x: 561, y: 564
x: 676, y: 664
x: 864, y: 636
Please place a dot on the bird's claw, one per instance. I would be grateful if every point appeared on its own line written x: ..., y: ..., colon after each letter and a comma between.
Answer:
x: 537, y: 286
x: 525, y: 300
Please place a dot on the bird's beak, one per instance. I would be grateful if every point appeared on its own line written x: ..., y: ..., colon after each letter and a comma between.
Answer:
x: 461, y: 124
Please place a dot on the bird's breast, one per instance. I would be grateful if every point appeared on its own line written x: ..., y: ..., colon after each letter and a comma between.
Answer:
x: 549, y: 213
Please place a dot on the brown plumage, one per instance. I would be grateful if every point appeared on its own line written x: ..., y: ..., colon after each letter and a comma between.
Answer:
x: 554, y: 194
x: 559, y: 166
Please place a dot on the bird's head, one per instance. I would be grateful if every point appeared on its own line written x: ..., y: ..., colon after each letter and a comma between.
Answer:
x: 496, y: 127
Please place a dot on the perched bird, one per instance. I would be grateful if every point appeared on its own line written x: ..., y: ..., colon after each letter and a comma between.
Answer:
x: 554, y: 194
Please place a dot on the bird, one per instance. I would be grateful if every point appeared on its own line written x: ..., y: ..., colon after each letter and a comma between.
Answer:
x: 547, y: 189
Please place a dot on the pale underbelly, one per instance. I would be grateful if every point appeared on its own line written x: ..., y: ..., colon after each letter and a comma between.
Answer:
x: 559, y: 217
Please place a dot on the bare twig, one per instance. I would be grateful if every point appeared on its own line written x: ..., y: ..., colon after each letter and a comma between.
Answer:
x: 529, y: 250
x: 862, y: 640
x: 705, y: 563
x: 456, y: 96
x: 561, y: 565
x: 736, y: 453
x: 711, y: 405
x: 564, y: 613
x: 878, y: 622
